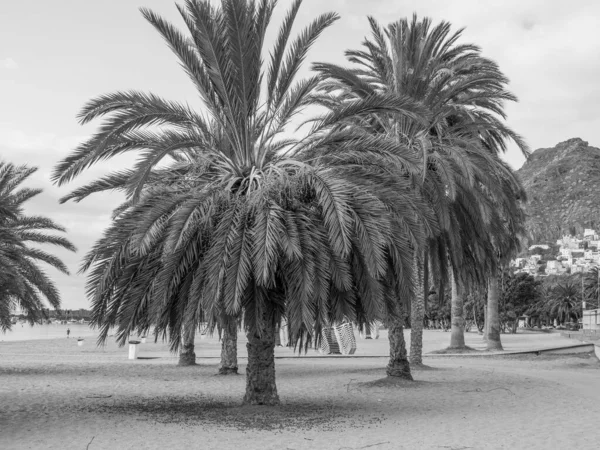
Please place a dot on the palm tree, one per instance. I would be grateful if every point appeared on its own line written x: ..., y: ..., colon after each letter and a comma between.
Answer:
x: 464, y: 94
x: 565, y: 301
x: 269, y: 225
x: 23, y: 283
x: 475, y: 231
x: 507, y: 234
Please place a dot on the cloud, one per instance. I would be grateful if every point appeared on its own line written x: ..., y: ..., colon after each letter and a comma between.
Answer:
x: 8, y: 63
x: 19, y: 140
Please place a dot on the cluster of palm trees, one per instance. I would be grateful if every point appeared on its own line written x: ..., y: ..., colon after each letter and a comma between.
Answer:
x: 248, y: 212
x: 554, y: 299
x: 562, y: 297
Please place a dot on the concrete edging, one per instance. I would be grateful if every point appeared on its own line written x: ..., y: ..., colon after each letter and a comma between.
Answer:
x: 578, y: 348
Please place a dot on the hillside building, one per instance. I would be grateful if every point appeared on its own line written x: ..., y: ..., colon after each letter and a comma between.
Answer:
x: 570, y: 242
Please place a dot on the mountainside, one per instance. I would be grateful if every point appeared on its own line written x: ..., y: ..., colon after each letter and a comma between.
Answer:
x: 563, y: 188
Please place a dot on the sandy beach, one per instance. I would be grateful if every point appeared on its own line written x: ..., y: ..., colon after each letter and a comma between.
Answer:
x: 56, y: 395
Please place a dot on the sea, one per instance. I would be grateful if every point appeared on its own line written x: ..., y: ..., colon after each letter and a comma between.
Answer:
x: 26, y: 332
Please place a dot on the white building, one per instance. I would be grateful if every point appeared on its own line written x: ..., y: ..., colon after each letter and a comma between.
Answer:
x: 591, y: 319
x: 555, y: 268
x: 570, y: 242
x: 565, y: 252
x: 516, y: 263
x: 553, y: 265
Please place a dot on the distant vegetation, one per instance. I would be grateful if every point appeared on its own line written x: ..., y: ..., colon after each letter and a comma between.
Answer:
x: 59, y: 314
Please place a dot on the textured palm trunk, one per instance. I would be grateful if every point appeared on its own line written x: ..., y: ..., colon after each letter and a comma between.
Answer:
x: 260, y: 372
x: 493, y: 319
x: 425, y: 286
x: 480, y: 325
x: 457, y: 336
x: 398, y: 365
x: 486, y: 321
x: 417, y: 314
x: 187, y: 356
x: 368, y: 331
x: 229, y: 347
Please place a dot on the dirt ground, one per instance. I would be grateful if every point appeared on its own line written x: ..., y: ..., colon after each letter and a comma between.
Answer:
x: 55, y: 395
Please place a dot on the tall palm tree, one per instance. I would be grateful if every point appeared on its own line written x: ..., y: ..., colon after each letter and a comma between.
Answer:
x: 464, y: 94
x: 23, y: 283
x: 269, y: 225
x: 507, y: 234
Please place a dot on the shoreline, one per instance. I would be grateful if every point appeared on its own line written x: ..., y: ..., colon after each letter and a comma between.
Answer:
x: 38, y: 332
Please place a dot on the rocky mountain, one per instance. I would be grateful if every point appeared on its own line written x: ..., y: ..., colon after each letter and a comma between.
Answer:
x: 563, y: 188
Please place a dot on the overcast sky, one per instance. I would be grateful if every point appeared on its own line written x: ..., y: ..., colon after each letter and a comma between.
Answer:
x: 57, y: 54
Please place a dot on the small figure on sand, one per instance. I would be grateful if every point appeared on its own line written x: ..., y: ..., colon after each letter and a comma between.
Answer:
x: 68, y: 332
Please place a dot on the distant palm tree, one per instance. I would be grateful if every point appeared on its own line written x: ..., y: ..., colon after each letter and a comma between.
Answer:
x: 23, y: 283
x: 270, y: 223
x: 565, y: 301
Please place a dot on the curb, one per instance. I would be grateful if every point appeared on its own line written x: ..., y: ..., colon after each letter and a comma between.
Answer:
x: 579, y: 348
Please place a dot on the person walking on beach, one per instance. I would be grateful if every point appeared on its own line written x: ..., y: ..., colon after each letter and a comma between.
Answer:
x: 68, y: 332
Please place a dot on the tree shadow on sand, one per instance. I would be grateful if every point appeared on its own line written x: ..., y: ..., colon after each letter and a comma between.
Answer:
x: 380, y: 371
x: 391, y: 383
x: 227, y: 413
x: 454, y: 351
x: 425, y: 367
x: 42, y: 370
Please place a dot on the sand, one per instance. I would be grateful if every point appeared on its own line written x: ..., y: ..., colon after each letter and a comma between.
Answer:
x: 56, y: 395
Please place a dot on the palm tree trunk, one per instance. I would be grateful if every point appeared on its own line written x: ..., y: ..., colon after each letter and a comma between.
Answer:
x: 187, y: 357
x: 486, y: 321
x: 260, y: 372
x: 229, y: 347
x: 417, y: 314
x: 426, y: 285
x: 493, y: 327
x: 398, y: 365
x: 457, y: 336
x: 475, y: 312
